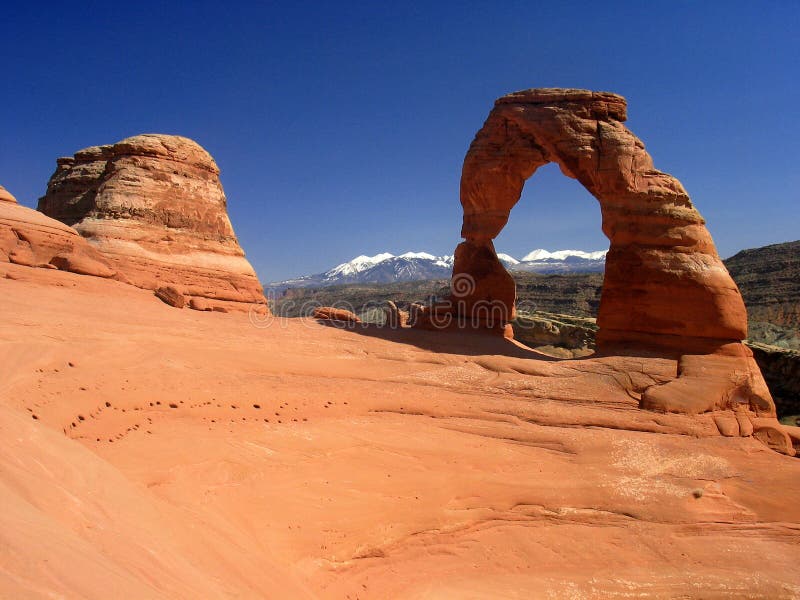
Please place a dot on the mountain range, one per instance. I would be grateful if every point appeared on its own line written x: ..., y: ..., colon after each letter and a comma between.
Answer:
x: 417, y: 266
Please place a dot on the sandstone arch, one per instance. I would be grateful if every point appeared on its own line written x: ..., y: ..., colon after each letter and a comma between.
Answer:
x: 664, y: 285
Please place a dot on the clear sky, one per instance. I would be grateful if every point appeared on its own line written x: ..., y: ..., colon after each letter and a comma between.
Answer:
x: 340, y: 127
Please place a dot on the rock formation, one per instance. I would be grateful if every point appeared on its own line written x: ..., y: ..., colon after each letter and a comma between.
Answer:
x: 394, y: 317
x: 154, y: 206
x: 31, y: 239
x: 331, y: 313
x: 169, y: 295
x: 164, y: 456
x: 663, y: 276
x: 665, y: 286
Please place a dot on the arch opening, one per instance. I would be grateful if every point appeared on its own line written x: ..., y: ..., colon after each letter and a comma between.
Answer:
x: 557, y: 299
x: 553, y: 212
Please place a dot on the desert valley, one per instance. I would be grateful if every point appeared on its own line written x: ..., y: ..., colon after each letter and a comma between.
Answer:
x: 168, y: 433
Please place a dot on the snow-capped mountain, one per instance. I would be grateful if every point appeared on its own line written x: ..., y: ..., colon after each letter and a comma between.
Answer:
x: 542, y: 254
x: 357, y: 265
x: 381, y: 268
x: 562, y: 261
x: 416, y: 266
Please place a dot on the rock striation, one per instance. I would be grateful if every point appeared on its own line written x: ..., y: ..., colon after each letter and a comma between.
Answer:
x: 169, y: 295
x: 665, y: 286
x: 31, y: 239
x: 769, y: 278
x: 154, y: 206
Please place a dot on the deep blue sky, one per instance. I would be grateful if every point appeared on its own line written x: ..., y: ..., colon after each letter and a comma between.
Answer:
x: 340, y: 127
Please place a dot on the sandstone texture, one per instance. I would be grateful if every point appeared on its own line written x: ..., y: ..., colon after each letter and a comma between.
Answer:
x: 165, y: 453
x: 665, y: 288
x: 154, y: 206
x: 31, y: 239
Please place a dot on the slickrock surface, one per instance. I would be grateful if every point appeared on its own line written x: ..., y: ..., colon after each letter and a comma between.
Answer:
x: 154, y: 205
x: 316, y: 462
x: 29, y: 238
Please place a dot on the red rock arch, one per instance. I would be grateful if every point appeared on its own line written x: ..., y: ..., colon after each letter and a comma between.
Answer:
x: 664, y: 282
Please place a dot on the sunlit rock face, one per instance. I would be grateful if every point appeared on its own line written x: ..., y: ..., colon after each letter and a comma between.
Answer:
x: 154, y: 206
x: 6, y: 196
x: 29, y: 238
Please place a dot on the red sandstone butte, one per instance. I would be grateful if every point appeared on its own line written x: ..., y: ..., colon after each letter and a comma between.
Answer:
x: 154, y: 206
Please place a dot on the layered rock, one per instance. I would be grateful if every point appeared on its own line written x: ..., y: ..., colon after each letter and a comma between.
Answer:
x: 31, y: 239
x: 169, y: 295
x: 769, y: 278
x: 665, y: 286
x: 663, y: 275
x: 155, y: 207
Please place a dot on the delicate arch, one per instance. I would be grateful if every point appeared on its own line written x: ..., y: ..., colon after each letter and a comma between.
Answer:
x: 664, y: 281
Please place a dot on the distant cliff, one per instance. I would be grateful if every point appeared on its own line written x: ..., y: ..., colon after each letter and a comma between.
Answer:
x: 769, y: 279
